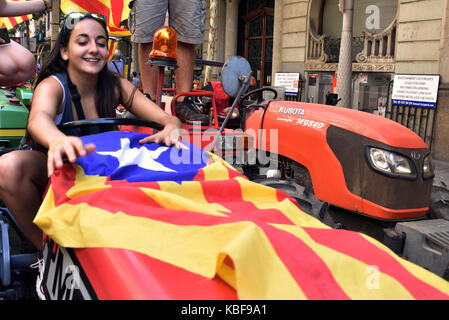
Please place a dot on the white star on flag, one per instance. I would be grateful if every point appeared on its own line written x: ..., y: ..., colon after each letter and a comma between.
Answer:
x: 141, y: 157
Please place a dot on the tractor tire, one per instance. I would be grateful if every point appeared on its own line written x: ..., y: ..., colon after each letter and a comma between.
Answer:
x: 439, y: 203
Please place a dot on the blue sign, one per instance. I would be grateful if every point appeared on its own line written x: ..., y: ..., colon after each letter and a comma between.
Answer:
x: 413, y: 103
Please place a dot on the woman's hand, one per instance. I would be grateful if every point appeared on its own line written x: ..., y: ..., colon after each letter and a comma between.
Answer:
x: 144, y: 108
x: 170, y: 136
x: 66, y: 147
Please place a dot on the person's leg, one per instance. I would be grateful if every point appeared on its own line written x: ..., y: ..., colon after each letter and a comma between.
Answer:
x: 184, y: 74
x: 23, y: 179
x: 188, y: 19
x: 149, y: 74
x: 18, y: 64
x: 145, y: 17
x: 184, y: 106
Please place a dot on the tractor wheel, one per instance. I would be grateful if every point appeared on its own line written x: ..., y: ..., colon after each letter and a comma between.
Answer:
x: 439, y: 203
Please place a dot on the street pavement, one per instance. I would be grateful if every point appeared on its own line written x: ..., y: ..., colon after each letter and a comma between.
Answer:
x: 441, y: 173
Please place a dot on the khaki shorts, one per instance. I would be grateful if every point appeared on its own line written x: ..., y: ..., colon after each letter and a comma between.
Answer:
x: 187, y: 17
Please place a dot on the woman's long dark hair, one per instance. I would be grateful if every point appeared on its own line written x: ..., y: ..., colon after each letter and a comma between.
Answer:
x: 108, y: 94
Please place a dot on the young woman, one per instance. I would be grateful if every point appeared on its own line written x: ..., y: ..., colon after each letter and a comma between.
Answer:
x: 18, y: 63
x: 79, y: 58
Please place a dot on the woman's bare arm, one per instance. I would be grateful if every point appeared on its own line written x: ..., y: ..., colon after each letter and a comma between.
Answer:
x: 46, y: 104
x: 20, y: 8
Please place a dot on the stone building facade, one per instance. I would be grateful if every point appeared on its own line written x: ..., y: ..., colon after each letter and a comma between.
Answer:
x: 302, y: 36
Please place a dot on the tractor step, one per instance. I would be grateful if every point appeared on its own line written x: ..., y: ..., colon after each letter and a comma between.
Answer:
x: 427, y: 244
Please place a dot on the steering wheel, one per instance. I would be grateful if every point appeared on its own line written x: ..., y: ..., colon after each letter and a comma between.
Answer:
x: 259, y: 96
x: 105, y: 122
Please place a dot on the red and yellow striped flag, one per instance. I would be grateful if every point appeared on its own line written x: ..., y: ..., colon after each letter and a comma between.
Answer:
x: 116, y: 11
x: 112, y: 46
x: 11, y: 22
x: 203, y: 217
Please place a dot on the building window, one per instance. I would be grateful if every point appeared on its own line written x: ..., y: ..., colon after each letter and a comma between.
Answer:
x: 256, y: 24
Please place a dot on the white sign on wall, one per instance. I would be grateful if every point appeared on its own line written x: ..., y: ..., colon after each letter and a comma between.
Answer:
x: 288, y: 80
x: 415, y: 90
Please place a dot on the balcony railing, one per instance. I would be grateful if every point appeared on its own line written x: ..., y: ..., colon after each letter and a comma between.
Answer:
x: 332, y: 48
x: 368, y: 48
x: 379, y: 47
x: 315, y: 47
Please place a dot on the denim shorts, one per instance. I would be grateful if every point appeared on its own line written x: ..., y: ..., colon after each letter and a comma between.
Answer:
x: 187, y: 17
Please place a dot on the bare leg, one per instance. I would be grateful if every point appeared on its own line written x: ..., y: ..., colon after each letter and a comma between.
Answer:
x: 184, y: 74
x: 184, y: 82
x: 23, y: 178
x: 149, y: 74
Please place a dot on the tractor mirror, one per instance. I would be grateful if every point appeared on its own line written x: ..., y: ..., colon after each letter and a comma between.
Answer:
x: 234, y: 70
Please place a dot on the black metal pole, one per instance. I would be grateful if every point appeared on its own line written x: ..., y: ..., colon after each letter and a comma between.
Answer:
x: 246, y: 80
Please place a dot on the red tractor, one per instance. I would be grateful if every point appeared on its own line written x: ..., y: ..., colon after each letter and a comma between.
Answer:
x: 348, y: 168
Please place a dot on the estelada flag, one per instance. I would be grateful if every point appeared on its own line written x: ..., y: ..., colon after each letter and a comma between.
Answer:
x: 11, y: 22
x: 116, y: 11
x: 112, y: 46
x: 192, y: 210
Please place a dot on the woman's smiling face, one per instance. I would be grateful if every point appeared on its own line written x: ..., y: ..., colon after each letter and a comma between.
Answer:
x: 87, y: 49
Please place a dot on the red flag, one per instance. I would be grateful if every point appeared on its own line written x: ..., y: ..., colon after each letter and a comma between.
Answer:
x: 112, y: 46
x: 116, y: 12
x: 11, y: 22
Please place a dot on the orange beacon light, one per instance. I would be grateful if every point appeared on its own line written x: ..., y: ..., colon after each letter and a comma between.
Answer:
x: 164, y: 44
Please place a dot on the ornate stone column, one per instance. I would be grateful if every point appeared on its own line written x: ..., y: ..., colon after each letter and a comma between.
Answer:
x: 277, y: 38
x: 55, y: 12
x: 344, y: 72
x: 232, y: 12
x: 211, y: 42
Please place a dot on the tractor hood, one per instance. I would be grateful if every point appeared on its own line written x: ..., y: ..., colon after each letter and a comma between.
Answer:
x: 330, y: 142
x: 363, y: 123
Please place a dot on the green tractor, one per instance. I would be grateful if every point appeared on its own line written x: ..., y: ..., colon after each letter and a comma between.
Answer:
x: 25, y: 95
x: 14, y: 111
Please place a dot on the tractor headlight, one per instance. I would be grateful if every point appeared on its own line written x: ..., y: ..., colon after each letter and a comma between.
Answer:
x: 427, y: 167
x: 391, y: 163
